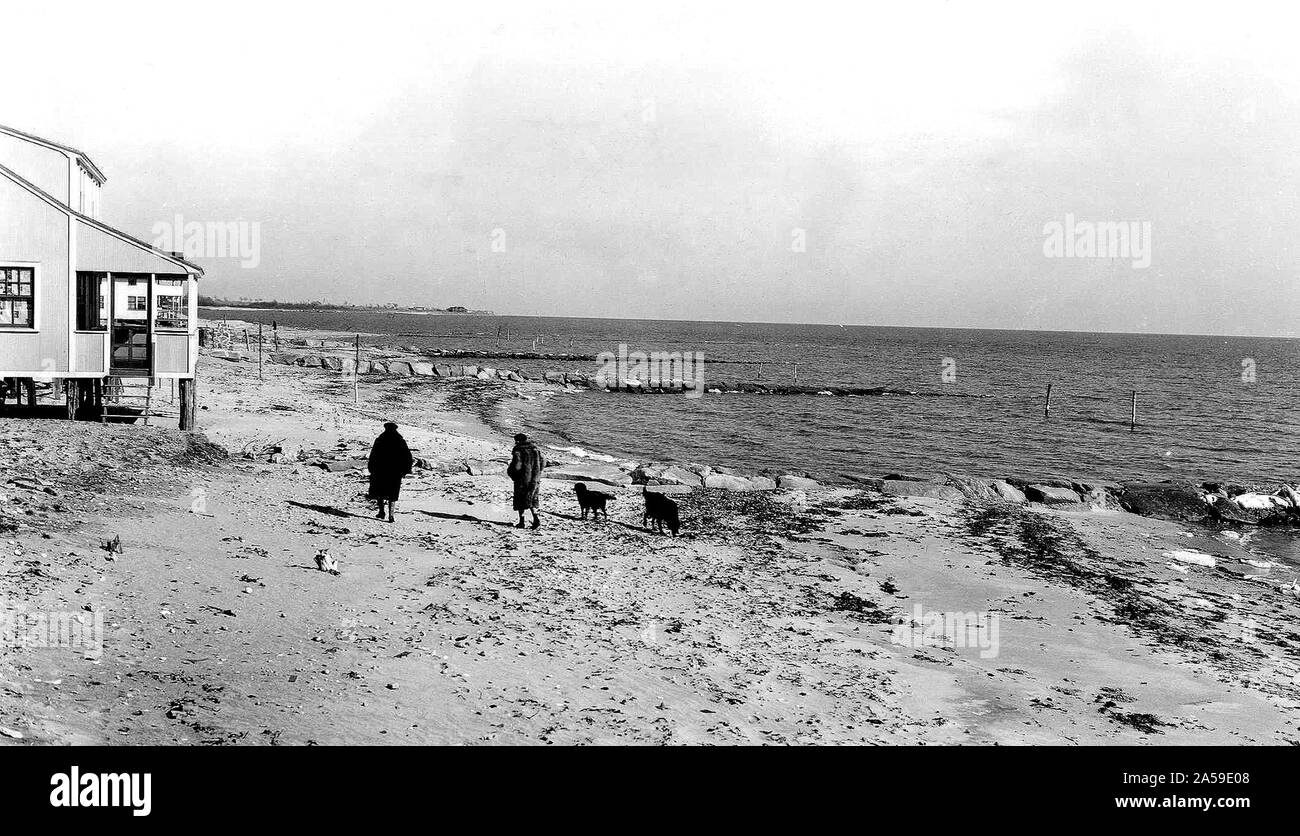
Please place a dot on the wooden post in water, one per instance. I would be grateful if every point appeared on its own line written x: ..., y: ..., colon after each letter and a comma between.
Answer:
x: 1047, y: 405
x: 356, y: 372
x: 246, y: 348
x: 259, y: 351
x: 1133, y: 418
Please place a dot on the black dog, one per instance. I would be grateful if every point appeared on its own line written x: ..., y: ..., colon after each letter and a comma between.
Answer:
x: 592, y: 501
x: 661, y: 510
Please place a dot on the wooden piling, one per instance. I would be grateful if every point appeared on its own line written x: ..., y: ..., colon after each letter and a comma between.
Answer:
x: 1047, y: 405
x: 356, y: 372
x: 189, y: 402
x: 259, y: 351
x: 1133, y: 416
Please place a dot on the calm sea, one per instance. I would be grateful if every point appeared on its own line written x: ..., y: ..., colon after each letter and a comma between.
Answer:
x: 1208, y: 408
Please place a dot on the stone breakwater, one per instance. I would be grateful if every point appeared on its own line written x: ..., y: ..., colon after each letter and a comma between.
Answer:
x: 571, y: 379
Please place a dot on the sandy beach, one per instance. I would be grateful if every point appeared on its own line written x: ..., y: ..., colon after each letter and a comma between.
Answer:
x: 778, y: 617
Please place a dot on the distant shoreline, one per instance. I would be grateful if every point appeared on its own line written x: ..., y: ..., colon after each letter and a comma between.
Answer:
x: 347, y: 309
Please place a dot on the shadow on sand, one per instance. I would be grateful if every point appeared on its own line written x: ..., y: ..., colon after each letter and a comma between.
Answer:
x: 328, y: 509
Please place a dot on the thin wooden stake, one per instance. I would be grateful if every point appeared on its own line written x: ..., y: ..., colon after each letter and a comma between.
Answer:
x: 356, y: 372
x: 1133, y: 419
x: 1047, y: 406
x: 259, y: 351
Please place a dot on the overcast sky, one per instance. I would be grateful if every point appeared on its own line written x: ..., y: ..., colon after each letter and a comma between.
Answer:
x: 664, y: 160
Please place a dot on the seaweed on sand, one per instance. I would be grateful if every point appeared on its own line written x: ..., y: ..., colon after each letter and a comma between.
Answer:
x: 746, y: 515
x: 861, y: 607
x: 1051, y: 549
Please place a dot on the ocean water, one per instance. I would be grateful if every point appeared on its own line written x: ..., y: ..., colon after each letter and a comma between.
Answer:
x: 1208, y: 408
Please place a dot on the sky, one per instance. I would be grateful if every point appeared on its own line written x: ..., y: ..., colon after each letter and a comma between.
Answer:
x: 867, y: 163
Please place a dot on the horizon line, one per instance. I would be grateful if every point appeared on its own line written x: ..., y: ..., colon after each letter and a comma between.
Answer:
x: 291, y: 307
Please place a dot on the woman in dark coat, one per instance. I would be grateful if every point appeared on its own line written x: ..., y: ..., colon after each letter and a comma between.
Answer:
x: 525, y: 470
x: 390, y: 460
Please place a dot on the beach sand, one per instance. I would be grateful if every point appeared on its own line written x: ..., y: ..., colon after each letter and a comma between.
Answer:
x: 776, y: 618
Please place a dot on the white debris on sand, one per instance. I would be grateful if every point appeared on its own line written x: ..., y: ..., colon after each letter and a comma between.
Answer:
x: 1194, y: 557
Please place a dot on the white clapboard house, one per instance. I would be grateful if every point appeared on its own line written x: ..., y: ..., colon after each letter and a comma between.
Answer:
x: 80, y: 301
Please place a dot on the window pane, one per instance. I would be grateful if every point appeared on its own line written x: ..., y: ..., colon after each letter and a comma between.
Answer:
x: 171, y: 312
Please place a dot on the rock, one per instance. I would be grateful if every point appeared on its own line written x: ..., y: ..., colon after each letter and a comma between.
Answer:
x: 334, y: 364
x: 401, y: 368
x: 476, y: 467
x: 665, y: 474
x: 667, y: 489
x: 972, y: 487
x: 363, y: 367
x: 311, y: 361
x: 761, y: 483
x: 554, y: 377
x: 1165, y: 501
x: 903, y: 477
x: 1050, y: 495
x: 588, y: 472
x: 283, y: 359
x: 1050, y: 481
x: 514, y: 376
x: 469, y: 371
x: 442, y: 370
x: 796, y: 482
x: 1097, y: 497
x: 727, y: 482
x: 701, y: 469
x: 422, y: 369
x: 865, y: 481
x: 931, y: 490
x: 378, y: 367
x: 1251, y: 509
x: 1008, y: 492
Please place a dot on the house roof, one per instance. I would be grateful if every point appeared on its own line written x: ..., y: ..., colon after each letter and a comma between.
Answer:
x: 49, y: 143
x: 100, y: 225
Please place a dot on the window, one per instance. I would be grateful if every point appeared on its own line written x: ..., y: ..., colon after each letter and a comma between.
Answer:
x: 171, y: 302
x: 171, y: 311
x: 17, y: 297
x: 92, y: 310
x: 137, y: 303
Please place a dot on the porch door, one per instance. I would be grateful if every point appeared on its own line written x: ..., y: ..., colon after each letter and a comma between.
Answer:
x: 131, y: 350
